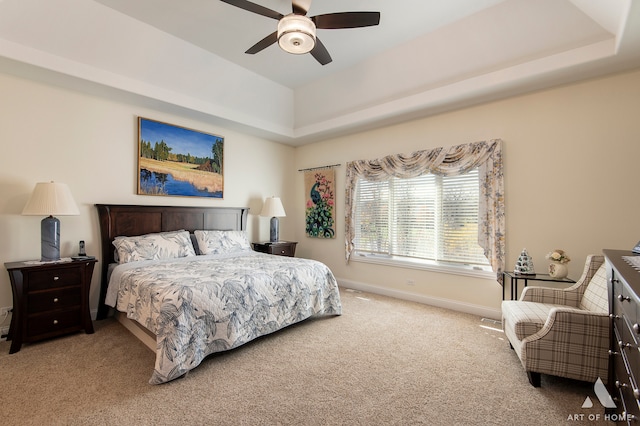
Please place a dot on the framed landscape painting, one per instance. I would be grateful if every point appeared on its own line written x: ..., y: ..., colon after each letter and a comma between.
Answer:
x: 176, y: 161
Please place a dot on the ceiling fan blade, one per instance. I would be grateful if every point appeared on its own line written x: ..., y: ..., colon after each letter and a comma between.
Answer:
x: 255, y: 8
x: 263, y: 44
x: 301, y: 7
x: 346, y: 20
x: 321, y: 53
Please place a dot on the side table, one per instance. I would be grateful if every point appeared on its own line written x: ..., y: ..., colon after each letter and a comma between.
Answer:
x: 49, y: 300
x: 280, y: 248
x: 514, y: 278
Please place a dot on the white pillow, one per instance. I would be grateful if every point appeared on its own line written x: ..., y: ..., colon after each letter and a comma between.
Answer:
x: 222, y: 242
x: 163, y: 245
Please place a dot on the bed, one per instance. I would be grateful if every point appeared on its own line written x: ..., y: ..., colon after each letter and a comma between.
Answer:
x: 187, y: 277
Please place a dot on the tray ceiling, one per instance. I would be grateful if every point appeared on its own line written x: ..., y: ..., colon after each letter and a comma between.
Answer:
x: 425, y: 57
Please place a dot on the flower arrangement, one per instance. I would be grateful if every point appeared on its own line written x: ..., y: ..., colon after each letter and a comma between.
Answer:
x: 558, y: 256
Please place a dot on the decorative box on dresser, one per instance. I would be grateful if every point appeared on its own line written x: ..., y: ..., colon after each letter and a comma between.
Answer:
x: 624, y: 371
x: 280, y: 248
x: 49, y: 300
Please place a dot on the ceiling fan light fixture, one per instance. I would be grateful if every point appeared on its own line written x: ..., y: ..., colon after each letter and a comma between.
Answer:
x: 296, y: 34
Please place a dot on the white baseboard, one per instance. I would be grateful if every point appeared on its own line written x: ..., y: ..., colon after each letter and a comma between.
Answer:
x: 454, y: 305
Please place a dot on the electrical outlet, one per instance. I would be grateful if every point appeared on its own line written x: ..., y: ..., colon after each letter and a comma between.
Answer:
x: 411, y: 282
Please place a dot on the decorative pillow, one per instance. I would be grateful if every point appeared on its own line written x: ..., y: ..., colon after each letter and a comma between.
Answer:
x: 163, y: 245
x: 222, y: 242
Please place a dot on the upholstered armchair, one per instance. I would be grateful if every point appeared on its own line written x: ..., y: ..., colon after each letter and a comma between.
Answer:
x: 562, y: 332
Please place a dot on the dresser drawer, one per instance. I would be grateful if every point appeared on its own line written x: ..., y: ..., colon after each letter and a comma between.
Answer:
x: 624, y: 299
x: 624, y: 383
x: 629, y: 350
x: 42, y: 301
x: 628, y: 332
x: 39, y: 280
x: 630, y: 404
x: 53, y: 322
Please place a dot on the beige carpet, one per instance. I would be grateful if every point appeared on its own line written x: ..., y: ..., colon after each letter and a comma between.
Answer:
x: 383, y: 362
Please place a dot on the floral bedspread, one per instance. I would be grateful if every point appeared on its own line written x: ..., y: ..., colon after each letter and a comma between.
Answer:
x: 205, y: 304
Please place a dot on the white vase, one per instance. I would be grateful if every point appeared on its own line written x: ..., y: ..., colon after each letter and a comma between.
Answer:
x: 558, y: 270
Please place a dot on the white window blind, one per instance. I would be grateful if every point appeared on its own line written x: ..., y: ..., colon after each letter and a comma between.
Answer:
x: 427, y: 217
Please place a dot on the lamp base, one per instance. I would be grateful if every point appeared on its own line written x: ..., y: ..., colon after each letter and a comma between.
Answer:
x: 50, y: 239
x: 273, y: 230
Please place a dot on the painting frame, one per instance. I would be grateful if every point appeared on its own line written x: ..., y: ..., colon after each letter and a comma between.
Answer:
x: 177, y: 161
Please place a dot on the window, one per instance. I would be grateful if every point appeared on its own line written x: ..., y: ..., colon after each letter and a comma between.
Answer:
x: 425, y: 218
x: 425, y: 207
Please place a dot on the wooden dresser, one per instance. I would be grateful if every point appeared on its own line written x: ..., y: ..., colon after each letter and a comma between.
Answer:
x: 624, y: 371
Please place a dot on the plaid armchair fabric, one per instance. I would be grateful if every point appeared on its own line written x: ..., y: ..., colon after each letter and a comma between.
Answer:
x: 562, y: 332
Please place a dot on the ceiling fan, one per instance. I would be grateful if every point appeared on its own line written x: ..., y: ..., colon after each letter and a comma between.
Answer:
x: 296, y: 32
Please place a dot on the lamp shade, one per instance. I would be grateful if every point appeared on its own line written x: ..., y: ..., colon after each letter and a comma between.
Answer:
x: 51, y: 198
x: 273, y: 208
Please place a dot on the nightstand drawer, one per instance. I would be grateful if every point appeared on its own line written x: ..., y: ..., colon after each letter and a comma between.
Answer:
x: 282, y: 250
x: 40, y: 280
x: 54, y: 299
x: 53, y: 322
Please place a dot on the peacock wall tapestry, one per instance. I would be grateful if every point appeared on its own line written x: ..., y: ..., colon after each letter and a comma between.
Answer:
x: 320, y: 202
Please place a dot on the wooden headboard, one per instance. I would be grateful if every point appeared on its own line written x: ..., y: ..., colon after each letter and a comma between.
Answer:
x: 132, y: 220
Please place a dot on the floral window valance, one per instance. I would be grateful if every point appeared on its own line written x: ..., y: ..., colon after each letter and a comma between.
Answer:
x: 452, y: 161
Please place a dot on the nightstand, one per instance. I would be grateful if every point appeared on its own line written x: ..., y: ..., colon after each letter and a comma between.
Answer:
x: 280, y: 248
x: 49, y: 300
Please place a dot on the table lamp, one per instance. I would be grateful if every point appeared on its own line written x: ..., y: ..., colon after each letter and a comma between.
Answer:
x: 50, y: 198
x: 273, y: 208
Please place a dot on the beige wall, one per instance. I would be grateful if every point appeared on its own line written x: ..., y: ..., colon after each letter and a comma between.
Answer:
x: 571, y: 158
x: 49, y: 132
